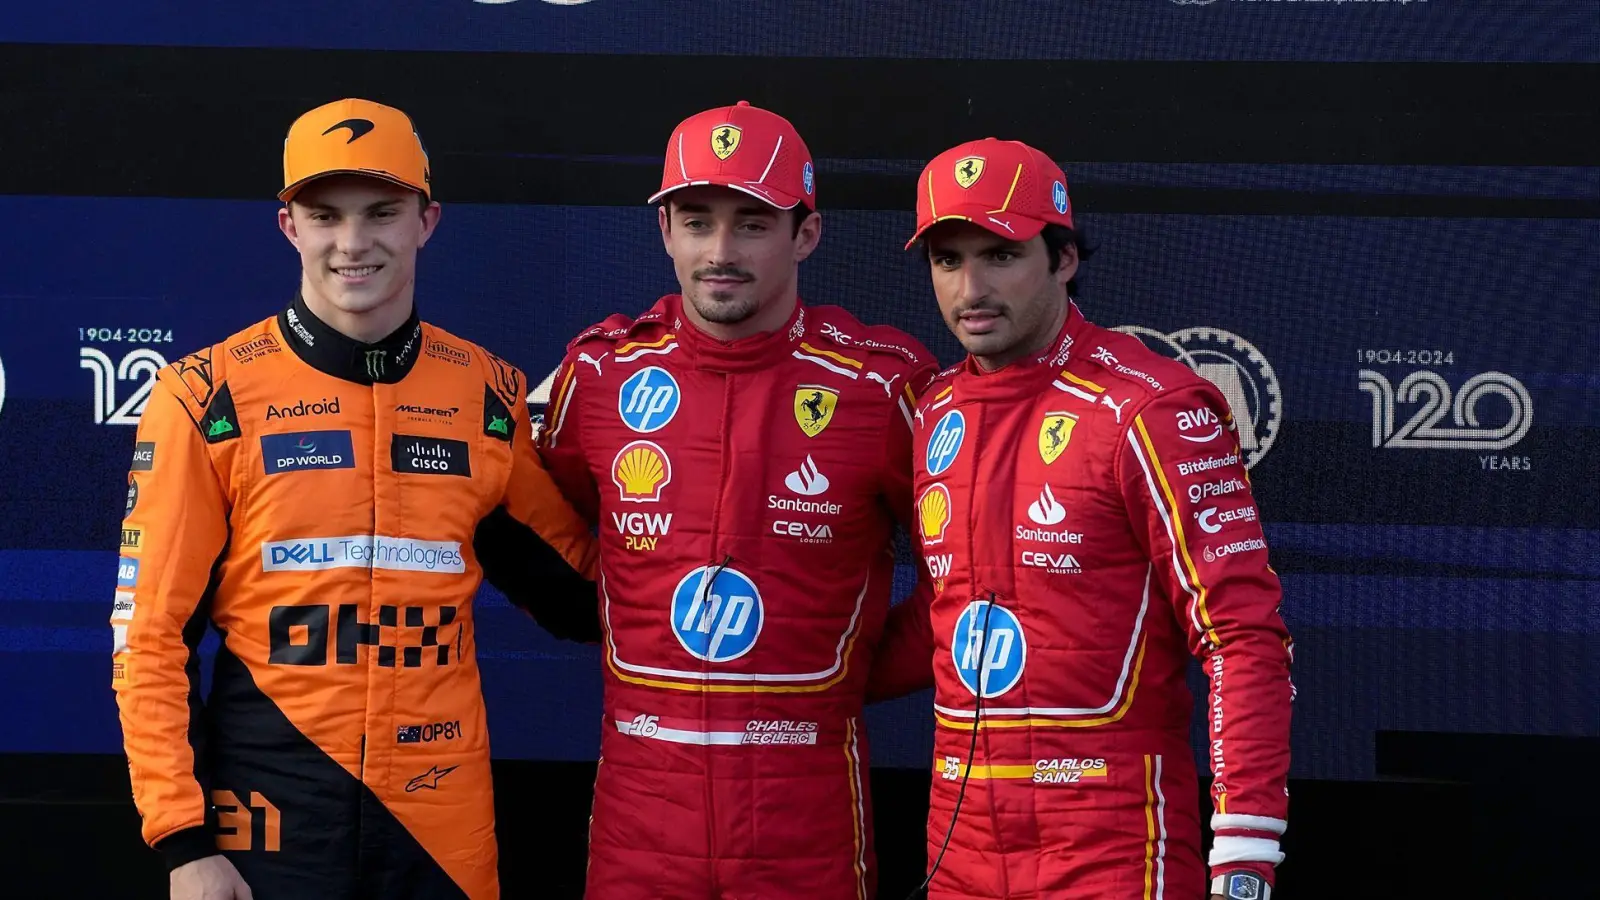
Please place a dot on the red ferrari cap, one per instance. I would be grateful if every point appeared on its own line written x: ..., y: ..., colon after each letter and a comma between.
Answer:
x: 1007, y: 187
x: 745, y: 148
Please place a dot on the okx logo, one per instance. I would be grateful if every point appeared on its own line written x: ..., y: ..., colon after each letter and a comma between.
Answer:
x: 717, y: 613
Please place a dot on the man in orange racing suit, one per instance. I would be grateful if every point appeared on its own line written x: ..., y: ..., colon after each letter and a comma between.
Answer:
x: 747, y: 458
x: 311, y: 486
x: 1085, y: 511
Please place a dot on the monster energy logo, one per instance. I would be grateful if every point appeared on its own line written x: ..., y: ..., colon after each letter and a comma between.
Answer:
x: 375, y: 363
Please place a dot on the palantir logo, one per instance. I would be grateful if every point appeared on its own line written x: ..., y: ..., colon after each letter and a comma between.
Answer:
x: 988, y: 648
x: 945, y: 442
x: 717, y: 613
x: 808, y: 480
x: 648, y: 400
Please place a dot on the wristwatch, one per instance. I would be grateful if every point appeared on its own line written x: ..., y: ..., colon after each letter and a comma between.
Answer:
x: 1241, y: 885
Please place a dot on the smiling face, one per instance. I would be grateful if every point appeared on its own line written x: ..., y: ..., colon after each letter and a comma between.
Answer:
x: 358, y: 239
x: 999, y: 297
x: 737, y: 258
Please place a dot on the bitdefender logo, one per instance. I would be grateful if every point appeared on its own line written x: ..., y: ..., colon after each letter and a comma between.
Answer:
x: 323, y: 407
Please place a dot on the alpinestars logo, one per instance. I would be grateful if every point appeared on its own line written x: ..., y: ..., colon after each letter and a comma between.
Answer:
x: 808, y: 480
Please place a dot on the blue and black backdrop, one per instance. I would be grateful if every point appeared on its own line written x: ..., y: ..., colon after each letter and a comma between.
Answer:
x: 1375, y: 224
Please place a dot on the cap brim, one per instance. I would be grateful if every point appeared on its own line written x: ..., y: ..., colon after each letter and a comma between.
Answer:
x: 777, y: 199
x: 1012, y: 227
x: 288, y: 193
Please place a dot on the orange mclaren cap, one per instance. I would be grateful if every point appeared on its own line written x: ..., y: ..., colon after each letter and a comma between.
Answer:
x: 354, y: 137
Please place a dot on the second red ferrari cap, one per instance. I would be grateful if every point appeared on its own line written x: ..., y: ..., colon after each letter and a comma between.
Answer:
x: 1006, y: 187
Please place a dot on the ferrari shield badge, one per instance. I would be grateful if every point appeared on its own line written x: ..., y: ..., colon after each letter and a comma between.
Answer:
x: 813, y: 407
x: 725, y: 139
x: 969, y: 170
x: 1054, y: 433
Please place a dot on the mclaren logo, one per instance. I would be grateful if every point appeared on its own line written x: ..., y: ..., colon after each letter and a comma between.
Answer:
x: 358, y: 128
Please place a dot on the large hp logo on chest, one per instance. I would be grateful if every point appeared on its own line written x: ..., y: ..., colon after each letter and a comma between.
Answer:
x: 988, y: 647
x: 945, y: 442
x: 717, y: 613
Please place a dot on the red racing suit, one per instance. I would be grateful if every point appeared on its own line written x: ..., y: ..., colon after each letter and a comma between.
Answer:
x: 1089, y: 525
x: 746, y: 495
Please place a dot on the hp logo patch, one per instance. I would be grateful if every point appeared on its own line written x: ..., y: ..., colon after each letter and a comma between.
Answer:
x: 1002, y: 656
x: 1058, y: 196
x: 945, y: 442
x: 648, y: 400
x: 716, y: 613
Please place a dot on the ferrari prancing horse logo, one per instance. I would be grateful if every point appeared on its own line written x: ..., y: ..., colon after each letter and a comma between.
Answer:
x: 725, y: 139
x: 1054, y: 433
x: 969, y: 170
x: 813, y: 407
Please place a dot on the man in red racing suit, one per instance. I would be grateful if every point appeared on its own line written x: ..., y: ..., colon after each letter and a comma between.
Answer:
x: 746, y: 458
x: 1084, y: 511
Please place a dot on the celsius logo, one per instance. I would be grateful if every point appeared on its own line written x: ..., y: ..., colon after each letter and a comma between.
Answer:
x: 1239, y: 371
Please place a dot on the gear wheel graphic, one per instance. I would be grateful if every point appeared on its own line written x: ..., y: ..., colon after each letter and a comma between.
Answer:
x: 1203, y: 349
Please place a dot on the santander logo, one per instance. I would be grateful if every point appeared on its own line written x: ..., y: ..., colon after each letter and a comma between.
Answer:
x: 1046, y: 510
x: 808, y: 480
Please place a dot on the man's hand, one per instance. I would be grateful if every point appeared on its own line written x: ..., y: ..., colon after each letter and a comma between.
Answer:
x: 211, y: 878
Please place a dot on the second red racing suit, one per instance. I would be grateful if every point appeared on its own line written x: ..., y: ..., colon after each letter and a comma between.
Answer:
x: 1089, y: 526
x: 746, y: 495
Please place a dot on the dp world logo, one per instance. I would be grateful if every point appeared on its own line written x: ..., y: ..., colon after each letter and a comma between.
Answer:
x: 1239, y: 371
x: 717, y: 613
x: 988, y: 647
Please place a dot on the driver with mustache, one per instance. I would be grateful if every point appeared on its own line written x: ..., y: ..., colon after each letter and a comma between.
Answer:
x: 746, y: 458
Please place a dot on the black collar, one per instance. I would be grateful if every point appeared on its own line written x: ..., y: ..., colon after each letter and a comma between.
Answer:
x: 385, y: 361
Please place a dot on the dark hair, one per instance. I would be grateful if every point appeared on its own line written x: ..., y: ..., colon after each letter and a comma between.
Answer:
x: 798, y: 214
x: 1056, y: 239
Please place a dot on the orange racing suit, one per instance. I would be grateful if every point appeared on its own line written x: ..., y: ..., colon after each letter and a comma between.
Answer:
x: 315, y: 500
